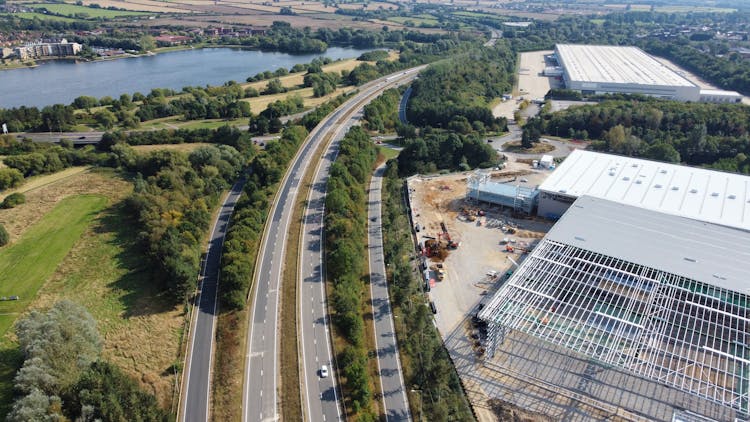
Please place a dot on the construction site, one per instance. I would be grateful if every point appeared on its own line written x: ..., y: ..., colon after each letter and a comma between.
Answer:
x: 595, y: 317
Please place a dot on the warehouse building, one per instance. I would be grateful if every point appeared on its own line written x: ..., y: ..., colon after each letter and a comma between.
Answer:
x: 704, y: 195
x: 519, y: 198
x: 599, y: 69
x: 660, y: 296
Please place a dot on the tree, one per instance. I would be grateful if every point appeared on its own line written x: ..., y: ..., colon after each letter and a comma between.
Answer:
x: 274, y: 87
x: 147, y: 43
x: 4, y: 236
x: 57, y: 345
x: 104, y: 392
x: 105, y: 119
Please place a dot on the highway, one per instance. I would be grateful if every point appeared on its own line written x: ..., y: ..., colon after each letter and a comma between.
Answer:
x: 393, y: 391
x: 199, y: 359
x: 402, y: 106
x: 261, y: 369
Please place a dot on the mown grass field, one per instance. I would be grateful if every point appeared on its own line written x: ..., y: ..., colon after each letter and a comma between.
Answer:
x: 26, y: 264
x: 92, y: 12
x: 105, y: 272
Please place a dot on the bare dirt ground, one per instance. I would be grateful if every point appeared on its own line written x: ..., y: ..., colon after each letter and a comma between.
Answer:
x: 473, y: 268
x: 441, y: 199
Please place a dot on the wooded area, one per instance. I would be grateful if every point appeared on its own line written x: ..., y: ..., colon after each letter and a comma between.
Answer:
x: 346, y: 232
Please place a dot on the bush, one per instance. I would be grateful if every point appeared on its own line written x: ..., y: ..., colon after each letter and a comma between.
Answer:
x: 10, y: 178
x: 4, y: 236
x: 13, y: 200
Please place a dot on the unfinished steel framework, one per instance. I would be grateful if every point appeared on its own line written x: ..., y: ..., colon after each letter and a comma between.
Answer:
x: 688, y: 334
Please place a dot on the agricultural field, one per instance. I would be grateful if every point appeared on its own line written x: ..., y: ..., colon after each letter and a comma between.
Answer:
x: 40, y: 16
x: 73, y: 10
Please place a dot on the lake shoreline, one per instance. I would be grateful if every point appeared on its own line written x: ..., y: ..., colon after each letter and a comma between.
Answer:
x: 57, y: 81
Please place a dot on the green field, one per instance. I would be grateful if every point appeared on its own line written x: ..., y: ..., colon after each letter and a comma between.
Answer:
x: 416, y: 20
x: 694, y: 9
x: 26, y: 264
x: 90, y: 12
x: 388, y: 153
x: 40, y: 16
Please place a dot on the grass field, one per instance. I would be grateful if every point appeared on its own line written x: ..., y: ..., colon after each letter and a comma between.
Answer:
x: 36, y: 182
x: 388, y: 153
x: 75, y: 10
x: 40, y: 16
x: 27, y: 263
x: 105, y: 272
x: 171, y: 147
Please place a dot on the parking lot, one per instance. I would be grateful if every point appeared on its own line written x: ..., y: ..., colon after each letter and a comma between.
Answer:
x: 532, y: 84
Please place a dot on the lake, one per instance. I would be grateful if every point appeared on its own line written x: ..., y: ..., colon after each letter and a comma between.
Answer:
x: 61, y: 81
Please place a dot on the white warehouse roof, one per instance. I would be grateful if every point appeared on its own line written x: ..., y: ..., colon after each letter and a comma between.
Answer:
x: 704, y: 195
x: 615, y: 64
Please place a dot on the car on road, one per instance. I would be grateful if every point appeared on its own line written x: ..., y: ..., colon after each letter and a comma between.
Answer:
x: 81, y: 137
x: 373, y: 219
x: 324, y: 371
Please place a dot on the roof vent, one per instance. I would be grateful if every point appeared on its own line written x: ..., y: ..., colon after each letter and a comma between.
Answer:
x: 634, y: 165
x: 675, y: 188
x: 732, y: 196
x: 663, y: 171
x: 690, y: 259
x: 693, y: 190
x: 657, y: 186
x: 626, y: 178
x: 579, y: 238
x: 638, y: 182
x: 611, y: 173
x: 714, y: 194
x: 562, y: 191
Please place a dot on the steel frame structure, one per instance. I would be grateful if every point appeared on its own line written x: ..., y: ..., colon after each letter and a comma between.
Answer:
x: 686, y: 334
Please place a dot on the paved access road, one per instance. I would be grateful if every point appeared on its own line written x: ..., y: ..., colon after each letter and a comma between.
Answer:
x: 197, y: 381
x: 389, y: 362
x: 262, y: 372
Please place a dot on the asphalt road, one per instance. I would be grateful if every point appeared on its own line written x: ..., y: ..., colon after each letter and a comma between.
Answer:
x: 393, y: 391
x: 260, y: 385
x: 402, y: 106
x: 320, y: 394
x: 199, y: 359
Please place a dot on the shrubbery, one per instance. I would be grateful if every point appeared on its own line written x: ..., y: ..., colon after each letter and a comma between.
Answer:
x: 62, y: 377
x: 13, y: 200
x: 243, y: 237
x: 346, y: 231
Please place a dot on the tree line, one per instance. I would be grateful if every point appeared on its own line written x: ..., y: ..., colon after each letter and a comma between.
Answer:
x: 428, y: 370
x: 64, y: 377
x: 715, y: 135
x: 251, y: 211
x: 445, y: 151
x: 346, y: 232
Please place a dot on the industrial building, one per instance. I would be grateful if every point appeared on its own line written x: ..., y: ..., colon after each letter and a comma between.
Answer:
x: 514, y: 196
x: 660, y: 296
x: 599, y: 69
x: 704, y: 195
